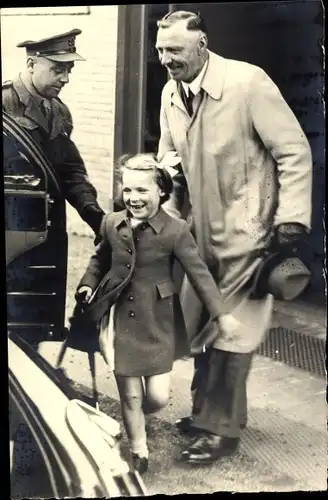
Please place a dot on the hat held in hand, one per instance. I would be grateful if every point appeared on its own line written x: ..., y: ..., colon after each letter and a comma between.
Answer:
x: 281, y: 274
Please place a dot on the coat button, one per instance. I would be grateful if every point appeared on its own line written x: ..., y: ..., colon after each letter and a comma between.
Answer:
x: 130, y: 297
x: 132, y: 314
x: 143, y: 226
x: 130, y: 250
x: 137, y: 240
x: 128, y: 266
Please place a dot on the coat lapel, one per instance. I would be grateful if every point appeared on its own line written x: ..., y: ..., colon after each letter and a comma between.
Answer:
x: 123, y: 228
x: 31, y: 109
x: 57, y: 122
x: 177, y: 100
x: 214, y: 77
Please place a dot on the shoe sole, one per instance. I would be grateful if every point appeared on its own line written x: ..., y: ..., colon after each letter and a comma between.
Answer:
x: 195, y: 430
x: 208, y: 461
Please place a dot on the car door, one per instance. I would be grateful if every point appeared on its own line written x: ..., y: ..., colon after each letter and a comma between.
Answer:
x: 35, y: 239
x: 56, y: 450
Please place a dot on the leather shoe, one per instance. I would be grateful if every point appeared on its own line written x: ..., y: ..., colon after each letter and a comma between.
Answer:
x: 184, y: 425
x: 140, y: 464
x: 209, y: 447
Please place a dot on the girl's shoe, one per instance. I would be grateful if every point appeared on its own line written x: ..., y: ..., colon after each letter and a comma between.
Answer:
x: 140, y: 464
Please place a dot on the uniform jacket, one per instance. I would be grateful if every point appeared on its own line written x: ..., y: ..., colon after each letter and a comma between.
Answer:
x: 120, y: 270
x: 56, y: 144
x: 248, y: 168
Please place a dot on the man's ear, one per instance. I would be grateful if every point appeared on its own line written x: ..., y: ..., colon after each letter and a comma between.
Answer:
x: 30, y: 61
x: 202, y: 43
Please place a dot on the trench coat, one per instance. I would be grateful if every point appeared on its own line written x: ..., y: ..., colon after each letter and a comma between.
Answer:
x: 248, y: 168
x: 133, y: 270
x: 54, y: 139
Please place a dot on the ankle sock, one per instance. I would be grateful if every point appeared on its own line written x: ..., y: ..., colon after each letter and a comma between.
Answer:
x: 139, y: 447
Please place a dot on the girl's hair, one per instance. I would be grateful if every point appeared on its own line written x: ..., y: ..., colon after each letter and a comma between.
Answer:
x: 147, y: 162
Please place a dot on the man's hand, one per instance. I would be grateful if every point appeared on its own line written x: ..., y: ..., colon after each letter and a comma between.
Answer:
x: 83, y: 294
x: 93, y: 216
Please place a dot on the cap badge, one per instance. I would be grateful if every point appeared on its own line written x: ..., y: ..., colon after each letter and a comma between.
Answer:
x: 71, y: 43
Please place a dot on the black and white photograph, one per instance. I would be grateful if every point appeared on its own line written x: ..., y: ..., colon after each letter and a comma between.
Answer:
x: 165, y: 248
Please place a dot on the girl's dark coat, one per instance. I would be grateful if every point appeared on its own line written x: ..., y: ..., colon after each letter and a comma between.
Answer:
x: 134, y: 270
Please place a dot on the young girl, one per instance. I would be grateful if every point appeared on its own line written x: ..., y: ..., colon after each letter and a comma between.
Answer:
x: 133, y: 296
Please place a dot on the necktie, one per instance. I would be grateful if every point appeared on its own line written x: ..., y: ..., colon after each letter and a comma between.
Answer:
x: 45, y: 108
x: 187, y: 100
x: 190, y: 99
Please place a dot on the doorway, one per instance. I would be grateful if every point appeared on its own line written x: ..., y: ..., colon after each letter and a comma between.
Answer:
x: 285, y: 39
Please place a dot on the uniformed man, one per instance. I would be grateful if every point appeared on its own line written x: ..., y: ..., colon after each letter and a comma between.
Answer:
x: 32, y: 100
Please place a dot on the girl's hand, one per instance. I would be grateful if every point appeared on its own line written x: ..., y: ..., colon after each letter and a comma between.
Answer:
x: 83, y: 294
x: 228, y: 325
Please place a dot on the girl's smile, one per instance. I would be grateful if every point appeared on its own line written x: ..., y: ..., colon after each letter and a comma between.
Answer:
x: 141, y: 194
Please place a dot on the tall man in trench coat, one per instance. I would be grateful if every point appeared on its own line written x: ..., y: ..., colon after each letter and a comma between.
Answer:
x: 248, y: 169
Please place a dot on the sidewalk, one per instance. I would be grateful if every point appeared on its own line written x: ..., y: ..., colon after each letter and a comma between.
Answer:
x: 284, y: 447
x: 303, y: 317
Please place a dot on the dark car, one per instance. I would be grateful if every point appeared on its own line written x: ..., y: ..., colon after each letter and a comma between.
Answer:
x: 59, y: 445
x: 36, y: 238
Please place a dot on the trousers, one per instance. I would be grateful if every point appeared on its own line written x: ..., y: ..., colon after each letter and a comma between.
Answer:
x: 219, y: 392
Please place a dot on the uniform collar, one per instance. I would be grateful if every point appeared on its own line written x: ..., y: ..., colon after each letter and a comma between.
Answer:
x: 156, y: 223
x: 32, y: 101
x: 195, y: 85
x: 32, y: 90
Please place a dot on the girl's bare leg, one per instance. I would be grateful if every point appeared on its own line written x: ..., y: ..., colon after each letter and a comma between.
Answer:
x: 157, y: 392
x: 131, y: 396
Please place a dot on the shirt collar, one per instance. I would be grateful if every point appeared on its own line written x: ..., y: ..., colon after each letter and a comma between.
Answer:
x: 156, y: 223
x: 195, y: 85
x: 32, y: 90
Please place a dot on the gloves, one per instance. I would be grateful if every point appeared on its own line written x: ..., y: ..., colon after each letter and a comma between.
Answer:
x: 290, y: 234
x: 97, y: 240
x: 83, y: 295
x: 93, y: 216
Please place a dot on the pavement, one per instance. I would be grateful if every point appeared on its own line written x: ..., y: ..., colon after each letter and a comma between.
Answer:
x: 283, y: 448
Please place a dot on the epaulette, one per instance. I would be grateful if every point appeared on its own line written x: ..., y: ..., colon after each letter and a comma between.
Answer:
x: 7, y: 83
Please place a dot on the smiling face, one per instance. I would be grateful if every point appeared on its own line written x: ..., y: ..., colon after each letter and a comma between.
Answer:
x: 183, y: 52
x: 49, y: 77
x: 141, y: 194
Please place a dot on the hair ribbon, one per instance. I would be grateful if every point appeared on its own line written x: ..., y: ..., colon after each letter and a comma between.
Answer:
x: 169, y: 162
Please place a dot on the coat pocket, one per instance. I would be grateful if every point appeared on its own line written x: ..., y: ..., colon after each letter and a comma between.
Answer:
x: 165, y: 289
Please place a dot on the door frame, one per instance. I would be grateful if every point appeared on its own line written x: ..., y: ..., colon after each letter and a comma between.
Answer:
x: 131, y: 77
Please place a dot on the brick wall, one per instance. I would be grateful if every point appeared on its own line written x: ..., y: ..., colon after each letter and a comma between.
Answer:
x: 90, y: 94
